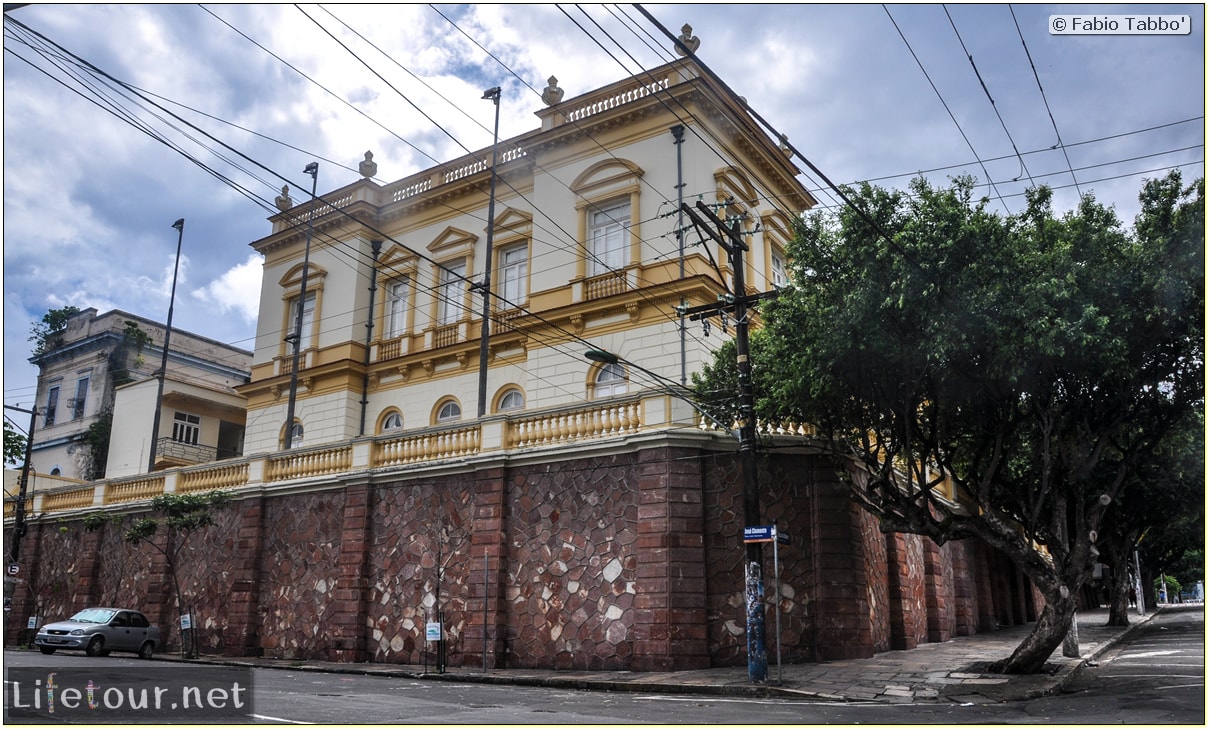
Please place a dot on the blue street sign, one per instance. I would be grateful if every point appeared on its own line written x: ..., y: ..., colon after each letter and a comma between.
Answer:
x: 758, y: 534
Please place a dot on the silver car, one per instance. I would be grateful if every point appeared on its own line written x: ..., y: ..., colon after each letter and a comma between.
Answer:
x: 97, y: 631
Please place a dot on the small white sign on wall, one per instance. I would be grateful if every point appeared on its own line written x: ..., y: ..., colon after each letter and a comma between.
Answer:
x: 432, y: 631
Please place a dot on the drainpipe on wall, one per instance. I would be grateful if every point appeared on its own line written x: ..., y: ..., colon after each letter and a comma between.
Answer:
x: 678, y: 134
x: 369, y: 330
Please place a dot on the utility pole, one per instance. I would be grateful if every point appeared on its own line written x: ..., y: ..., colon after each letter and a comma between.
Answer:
x: 730, y: 240
x: 14, y: 550
x: 159, y: 393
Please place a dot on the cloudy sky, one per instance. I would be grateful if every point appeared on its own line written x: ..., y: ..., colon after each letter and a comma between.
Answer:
x: 94, y: 178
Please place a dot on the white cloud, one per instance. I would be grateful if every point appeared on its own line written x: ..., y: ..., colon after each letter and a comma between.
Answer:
x: 236, y: 290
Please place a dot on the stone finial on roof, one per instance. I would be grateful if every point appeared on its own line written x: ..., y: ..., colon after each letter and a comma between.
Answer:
x: 368, y: 167
x: 690, y: 41
x: 283, y: 201
x: 551, y: 95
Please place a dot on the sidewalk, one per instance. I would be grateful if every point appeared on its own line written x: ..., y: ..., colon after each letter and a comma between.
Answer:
x: 933, y: 672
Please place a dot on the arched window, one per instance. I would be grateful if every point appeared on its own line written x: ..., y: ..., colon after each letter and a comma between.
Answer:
x: 513, y: 399
x: 610, y: 380
x: 393, y: 421
x: 449, y: 412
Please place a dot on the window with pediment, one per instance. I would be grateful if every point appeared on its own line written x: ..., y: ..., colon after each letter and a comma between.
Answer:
x: 607, y: 198
x: 291, y: 286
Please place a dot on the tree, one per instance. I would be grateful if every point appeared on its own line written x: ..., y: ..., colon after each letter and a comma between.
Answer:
x: 179, y: 516
x: 995, y: 377
x: 48, y: 333
x: 14, y: 445
x: 1163, y: 504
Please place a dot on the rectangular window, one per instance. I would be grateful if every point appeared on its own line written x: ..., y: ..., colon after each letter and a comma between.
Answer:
x: 451, y: 293
x: 514, y: 269
x: 607, y: 233
x: 779, y: 279
x: 308, y: 319
x: 77, y: 407
x: 52, y: 403
x: 186, y: 428
x: 396, y: 308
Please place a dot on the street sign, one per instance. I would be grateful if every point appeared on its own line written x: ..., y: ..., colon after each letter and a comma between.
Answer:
x: 757, y: 534
x: 432, y: 631
x: 782, y: 537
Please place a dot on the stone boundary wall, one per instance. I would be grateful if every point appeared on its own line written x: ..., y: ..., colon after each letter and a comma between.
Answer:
x: 622, y: 561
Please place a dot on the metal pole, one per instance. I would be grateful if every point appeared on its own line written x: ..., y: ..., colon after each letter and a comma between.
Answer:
x: 494, y: 95
x: 678, y: 135
x: 486, y: 586
x: 776, y: 571
x: 313, y: 170
x: 159, y: 395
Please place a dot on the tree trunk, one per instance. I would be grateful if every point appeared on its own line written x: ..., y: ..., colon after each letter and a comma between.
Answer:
x: 1049, y: 631
x: 1118, y: 586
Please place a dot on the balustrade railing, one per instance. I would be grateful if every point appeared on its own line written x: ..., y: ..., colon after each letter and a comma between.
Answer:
x: 433, y: 446
x: 564, y: 426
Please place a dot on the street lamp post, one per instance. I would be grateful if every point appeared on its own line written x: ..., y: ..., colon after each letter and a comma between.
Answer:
x: 159, y: 393
x: 493, y: 94
x: 313, y: 170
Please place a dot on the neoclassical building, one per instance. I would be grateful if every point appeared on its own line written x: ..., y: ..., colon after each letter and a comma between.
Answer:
x: 584, y: 248
x: 542, y: 508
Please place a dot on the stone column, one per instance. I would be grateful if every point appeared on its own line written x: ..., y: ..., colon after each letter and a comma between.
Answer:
x: 487, y: 573
x: 670, y: 621
x: 841, y: 608
x: 241, y: 637
x: 347, y: 644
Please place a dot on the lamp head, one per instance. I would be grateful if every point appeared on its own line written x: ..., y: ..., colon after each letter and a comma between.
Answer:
x: 179, y: 225
x: 492, y: 93
x: 312, y: 169
x: 599, y: 355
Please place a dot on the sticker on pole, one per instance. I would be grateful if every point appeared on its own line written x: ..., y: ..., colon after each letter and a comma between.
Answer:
x: 757, y: 534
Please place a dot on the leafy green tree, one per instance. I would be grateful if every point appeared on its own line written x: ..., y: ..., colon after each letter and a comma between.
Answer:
x: 14, y: 445
x: 177, y: 517
x: 1163, y: 502
x: 995, y: 377
x: 48, y: 333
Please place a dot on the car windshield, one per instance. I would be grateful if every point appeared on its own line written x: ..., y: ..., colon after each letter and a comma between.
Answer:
x: 92, y: 615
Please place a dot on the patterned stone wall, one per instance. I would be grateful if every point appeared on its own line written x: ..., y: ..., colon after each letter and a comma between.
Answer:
x: 632, y: 561
x: 298, y: 573
x: 419, y: 561
x: 571, y: 560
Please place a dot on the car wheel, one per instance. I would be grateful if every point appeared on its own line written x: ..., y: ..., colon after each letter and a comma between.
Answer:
x: 146, y: 649
x: 46, y: 650
x: 96, y: 647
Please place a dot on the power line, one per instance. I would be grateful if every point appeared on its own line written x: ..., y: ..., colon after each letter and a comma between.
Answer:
x: 944, y: 104
x: 1048, y: 111
x: 987, y: 92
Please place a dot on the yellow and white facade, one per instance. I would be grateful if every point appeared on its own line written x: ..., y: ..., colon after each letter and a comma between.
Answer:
x: 585, y: 253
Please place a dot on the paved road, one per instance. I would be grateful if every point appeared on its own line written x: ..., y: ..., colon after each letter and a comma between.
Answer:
x: 1155, y: 675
